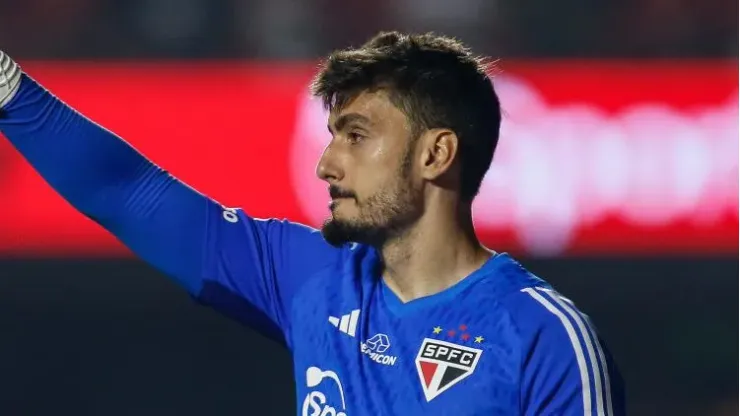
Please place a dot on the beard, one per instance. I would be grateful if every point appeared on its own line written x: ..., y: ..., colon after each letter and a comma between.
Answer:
x: 382, y: 216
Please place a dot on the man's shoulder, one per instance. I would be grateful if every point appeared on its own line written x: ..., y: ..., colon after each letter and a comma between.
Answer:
x: 529, y: 303
x: 538, y: 307
x: 504, y: 281
x: 552, y: 326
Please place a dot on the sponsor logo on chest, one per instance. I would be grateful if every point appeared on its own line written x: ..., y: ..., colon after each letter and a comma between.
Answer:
x: 376, y: 347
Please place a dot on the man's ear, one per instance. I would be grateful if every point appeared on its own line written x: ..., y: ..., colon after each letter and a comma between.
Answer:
x: 439, y: 148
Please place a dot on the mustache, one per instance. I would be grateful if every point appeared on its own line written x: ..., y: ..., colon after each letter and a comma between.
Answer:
x: 337, y: 192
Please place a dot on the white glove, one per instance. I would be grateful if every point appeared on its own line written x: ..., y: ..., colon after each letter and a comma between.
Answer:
x: 10, y: 78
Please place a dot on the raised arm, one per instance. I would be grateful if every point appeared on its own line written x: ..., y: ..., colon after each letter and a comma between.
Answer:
x: 246, y: 265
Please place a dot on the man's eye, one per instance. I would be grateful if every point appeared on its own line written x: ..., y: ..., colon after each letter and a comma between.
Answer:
x: 354, y: 137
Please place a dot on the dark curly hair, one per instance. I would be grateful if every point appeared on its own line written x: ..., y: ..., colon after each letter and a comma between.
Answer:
x: 435, y: 80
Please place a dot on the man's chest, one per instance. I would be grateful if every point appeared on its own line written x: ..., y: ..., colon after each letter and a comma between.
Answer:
x: 351, y: 357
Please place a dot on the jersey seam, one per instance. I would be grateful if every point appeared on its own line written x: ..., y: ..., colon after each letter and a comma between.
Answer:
x: 299, y: 288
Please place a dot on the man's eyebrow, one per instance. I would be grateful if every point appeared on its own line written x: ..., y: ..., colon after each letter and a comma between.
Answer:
x: 348, y: 118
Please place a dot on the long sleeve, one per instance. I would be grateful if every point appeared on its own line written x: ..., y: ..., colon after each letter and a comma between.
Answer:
x: 246, y: 268
x: 109, y: 181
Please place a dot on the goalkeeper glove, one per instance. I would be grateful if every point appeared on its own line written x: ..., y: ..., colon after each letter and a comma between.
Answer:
x: 10, y: 78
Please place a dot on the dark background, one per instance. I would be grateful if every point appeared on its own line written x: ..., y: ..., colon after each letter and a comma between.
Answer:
x: 95, y: 337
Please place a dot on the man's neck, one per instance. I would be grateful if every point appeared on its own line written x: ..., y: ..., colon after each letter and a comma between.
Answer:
x: 432, y: 256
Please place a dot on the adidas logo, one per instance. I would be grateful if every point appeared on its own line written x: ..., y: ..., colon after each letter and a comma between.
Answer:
x: 347, y: 323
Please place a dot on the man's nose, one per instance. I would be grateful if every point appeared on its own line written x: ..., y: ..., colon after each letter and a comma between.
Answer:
x: 328, y: 168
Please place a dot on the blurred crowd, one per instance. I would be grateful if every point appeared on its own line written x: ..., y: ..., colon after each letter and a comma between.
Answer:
x: 295, y: 29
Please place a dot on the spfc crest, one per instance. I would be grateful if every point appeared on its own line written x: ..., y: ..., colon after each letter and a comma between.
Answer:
x: 442, y: 364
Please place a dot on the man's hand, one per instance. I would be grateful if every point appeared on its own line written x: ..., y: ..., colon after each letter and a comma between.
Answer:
x: 10, y: 78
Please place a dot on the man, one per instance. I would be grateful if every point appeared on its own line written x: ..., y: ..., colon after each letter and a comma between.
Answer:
x: 395, y: 307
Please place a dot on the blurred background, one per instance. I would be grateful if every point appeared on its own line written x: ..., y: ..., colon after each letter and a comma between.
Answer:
x: 616, y: 179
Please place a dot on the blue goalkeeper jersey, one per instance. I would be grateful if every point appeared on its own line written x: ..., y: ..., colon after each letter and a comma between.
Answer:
x: 499, y: 342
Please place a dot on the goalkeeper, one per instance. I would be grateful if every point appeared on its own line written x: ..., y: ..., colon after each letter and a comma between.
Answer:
x: 393, y: 307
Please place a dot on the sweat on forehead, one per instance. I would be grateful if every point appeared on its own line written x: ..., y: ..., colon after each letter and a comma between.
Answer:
x: 373, y: 107
x: 373, y: 113
x: 341, y: 121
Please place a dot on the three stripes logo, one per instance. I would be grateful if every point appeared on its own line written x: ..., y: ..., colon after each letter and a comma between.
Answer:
x: 346, y: 323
